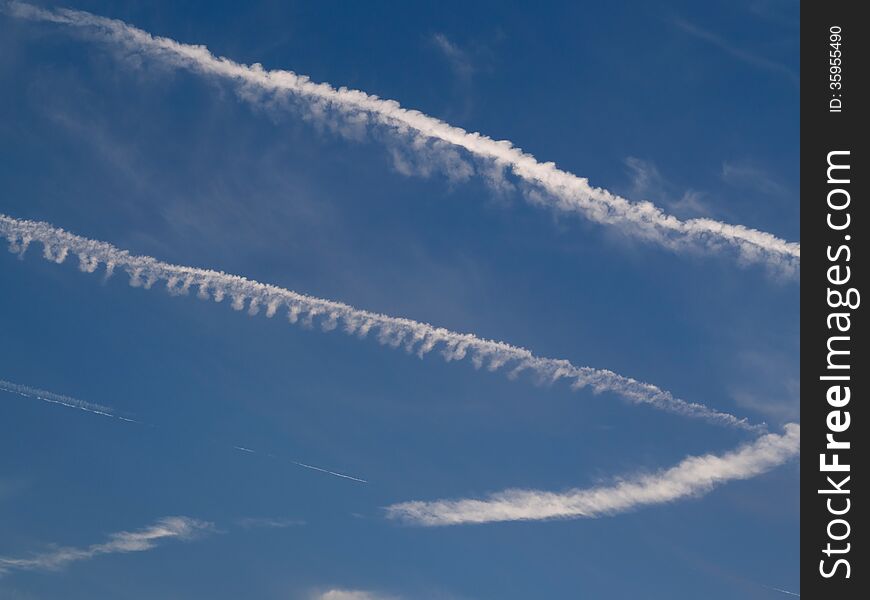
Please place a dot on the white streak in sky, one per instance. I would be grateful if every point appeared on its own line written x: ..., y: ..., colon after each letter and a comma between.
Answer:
x: 781, y: 591
x: 45, y: 396
x: 436, y: 143
x: 339, y: 594
x: 179, y: 528
x: 104, y: 411
x: 413, y: 336
x: 303, y: 465
x: 268, y: 523
x: 693, y: 476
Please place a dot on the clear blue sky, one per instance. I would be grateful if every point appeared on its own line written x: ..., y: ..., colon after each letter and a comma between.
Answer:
x: 693, y: 106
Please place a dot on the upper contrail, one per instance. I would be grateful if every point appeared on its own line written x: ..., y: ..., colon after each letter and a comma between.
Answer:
x: 437, y: 142
x: 46, y: 396
x: 394, y: 331
x: 693, y: 476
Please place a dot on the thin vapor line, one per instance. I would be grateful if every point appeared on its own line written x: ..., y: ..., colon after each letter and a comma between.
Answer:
x: 301, y: 464
x: 61, y: 400
x: 105, y: 411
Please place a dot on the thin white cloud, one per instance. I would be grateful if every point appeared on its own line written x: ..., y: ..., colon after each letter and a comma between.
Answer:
x: 648, y: 183
x: 693, y: 476
x: 413, y: 336
x: 178, y: 528
x: 436, y: 144
x: 745, y: 175
x: 51, y: 397
x: 457, y: 58
x: 268, y: 523
x: 735, y: 51
x: 340, y: 594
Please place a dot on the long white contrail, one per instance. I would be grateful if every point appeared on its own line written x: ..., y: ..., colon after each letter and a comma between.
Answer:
x: 46, y: 396
x: 694, y: 476
x: 436, y: 143
x: 414, y: 336
x: 179, y: 528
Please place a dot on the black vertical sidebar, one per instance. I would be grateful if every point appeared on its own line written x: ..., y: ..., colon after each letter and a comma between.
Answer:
x: 834, y: 370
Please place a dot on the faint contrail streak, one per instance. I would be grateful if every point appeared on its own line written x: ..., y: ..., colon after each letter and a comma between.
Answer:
x: 414, y: 336
x: 693, y: 476
x: 46, y: 396
x: 436, y: 142
x: 104, y: 411
x: 781, y: 591
x: 301, y: 464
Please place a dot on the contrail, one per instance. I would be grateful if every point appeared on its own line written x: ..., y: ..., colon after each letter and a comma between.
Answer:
x: 693, y: 476
x: 46, y: 396
x: 179, y: 528
x: 435, y: 142
x: 301, y: 464
x: 414, y: 336
x: 105, y: 411
x: 781, y: 591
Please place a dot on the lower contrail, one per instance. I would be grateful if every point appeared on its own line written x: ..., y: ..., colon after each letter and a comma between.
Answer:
x: 69, y: 402
x: 693, y: 476
x: 178, y: 528
x: 414, y: 336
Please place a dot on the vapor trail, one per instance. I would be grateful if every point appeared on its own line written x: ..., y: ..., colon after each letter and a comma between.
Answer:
x: 413, y: 336
x: 301, y: 464
x: 435, y: 144
x: 693, y: 476
x: 104, y: 411
x: 781, y: 591
x: 46, y: 396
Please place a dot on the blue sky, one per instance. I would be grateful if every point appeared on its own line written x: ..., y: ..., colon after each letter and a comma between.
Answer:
x: 692, y: 107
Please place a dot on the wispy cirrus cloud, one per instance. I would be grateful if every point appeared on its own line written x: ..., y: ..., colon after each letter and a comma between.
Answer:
x: 734, y: 50
x: 439, y: 146
x: 413, y: 336
x: 748, y: 176
x: 268, y: 522
x: 458, y: 59
x: 168, y: 528
x: 648, y: 183
x: 346, y: 594
x: 693, y: 476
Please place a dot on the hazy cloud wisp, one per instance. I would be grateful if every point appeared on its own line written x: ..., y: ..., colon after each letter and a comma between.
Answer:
x: 179, y: 528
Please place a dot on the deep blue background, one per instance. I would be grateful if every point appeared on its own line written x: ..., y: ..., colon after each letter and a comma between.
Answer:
x: 169, y: 164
